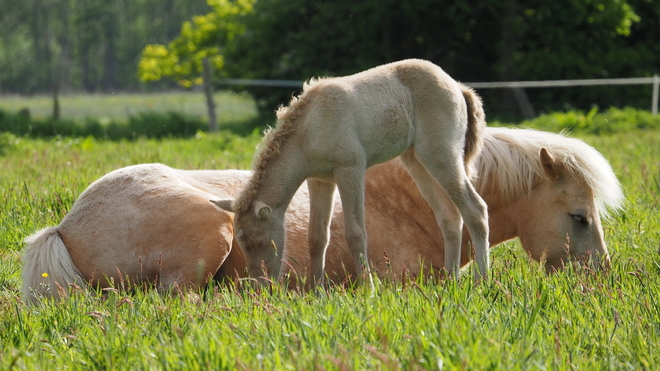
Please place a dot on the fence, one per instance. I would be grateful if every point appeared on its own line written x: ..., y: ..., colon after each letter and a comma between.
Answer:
x: 655, y: 81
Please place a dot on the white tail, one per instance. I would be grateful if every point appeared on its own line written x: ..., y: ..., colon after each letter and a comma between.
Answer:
x: 48, y: 268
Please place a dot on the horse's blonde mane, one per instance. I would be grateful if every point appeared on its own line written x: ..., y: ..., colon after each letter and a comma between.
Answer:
x: 511, y: 158
x: 272, y: 143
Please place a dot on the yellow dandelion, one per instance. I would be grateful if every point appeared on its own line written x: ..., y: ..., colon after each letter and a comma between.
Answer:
x: 44, y: 275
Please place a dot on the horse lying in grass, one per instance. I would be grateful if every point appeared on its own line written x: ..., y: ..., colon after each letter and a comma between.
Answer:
x: 339, y: 127
x: 154, y: 224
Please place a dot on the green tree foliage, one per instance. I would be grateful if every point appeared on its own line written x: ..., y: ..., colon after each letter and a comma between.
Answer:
x: 204, y: 36
x: 570, y: 39
x: 474, y: 41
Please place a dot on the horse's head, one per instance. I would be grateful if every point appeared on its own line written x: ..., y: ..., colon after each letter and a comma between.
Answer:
x: 560, y: 220
x: 549, y: 190
x: 260, y: 233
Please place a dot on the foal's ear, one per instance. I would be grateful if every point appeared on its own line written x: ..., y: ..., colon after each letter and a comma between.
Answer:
x: 549, y: 164
x: 224, y: 204
x: 262, y: 210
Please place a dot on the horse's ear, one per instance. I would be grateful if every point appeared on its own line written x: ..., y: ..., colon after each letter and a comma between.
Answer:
x: 549, y: 164
x: 224, y: 204
x: 262, y: 210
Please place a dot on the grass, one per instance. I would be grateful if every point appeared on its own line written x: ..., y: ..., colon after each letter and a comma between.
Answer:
x: 230, y: 107
x: 520, y: 319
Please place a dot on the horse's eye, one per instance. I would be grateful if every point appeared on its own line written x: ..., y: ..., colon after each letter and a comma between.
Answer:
x: 580, y: 219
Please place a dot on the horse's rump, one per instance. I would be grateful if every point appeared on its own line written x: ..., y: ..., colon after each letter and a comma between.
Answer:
x: 141, y: 224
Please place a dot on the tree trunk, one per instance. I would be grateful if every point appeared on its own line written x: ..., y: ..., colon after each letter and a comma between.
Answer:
x: 509, y: 41
x: 110, y: 53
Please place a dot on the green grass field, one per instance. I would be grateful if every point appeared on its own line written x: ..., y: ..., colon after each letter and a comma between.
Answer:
x: 520, y: 319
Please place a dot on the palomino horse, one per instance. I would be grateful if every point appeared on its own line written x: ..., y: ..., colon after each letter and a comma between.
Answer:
x: 151, y: 223
x: 339, y: 127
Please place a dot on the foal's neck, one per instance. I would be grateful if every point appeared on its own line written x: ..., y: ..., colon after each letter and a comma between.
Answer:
x: 276, y: 184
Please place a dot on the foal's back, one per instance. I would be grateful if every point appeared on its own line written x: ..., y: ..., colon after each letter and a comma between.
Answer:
x: 371, y: 112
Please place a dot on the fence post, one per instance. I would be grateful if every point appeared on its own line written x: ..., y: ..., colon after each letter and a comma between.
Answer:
x: 56, y: 101
x: 656, y: 87
x: 208, y: 92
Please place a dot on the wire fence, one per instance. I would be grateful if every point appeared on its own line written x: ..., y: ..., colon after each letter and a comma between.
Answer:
x: 655, y: 81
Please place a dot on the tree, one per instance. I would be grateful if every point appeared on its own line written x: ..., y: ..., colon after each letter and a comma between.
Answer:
x: 197, y: 51
x: 206, y: 36
x: 557, y: 40
x: 298, y: 39
x: 88, y: 45
x: 488, y: 40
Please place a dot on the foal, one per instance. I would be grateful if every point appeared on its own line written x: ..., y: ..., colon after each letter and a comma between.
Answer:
x: 339, y: 127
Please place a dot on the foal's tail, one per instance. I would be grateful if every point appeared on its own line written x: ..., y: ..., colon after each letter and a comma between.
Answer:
x: 476, y: 125
x: 48, y: 269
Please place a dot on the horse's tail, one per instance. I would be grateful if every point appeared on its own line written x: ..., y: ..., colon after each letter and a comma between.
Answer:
x: 47, y: 267
x: 476, y: 125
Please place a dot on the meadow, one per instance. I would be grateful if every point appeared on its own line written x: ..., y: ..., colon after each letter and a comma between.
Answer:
x: 520, y: 319
x: 230, y: 106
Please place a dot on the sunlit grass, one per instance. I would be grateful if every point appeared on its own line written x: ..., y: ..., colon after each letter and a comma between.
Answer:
x: 520, y: 319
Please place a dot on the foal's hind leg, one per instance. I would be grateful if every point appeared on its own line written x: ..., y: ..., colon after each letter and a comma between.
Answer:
x: 449, y: 171
x: 446, y: 213
x: 350, y: 182
x: 321, y: 201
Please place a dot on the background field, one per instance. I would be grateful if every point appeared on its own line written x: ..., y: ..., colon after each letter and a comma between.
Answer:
x: 231, y: 107
x: 521, y: 319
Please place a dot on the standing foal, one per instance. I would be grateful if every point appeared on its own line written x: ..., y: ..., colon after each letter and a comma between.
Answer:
x: 339, y: 127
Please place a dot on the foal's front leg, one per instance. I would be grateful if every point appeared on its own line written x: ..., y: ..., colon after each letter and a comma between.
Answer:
x: 350, y: 182
x: 321, y: 202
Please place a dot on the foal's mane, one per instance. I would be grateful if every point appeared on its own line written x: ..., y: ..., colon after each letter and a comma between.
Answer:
x: 511, y: 158
x: 271, y: 145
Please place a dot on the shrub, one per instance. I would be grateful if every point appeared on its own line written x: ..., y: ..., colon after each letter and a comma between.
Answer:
x: 158, y: 125
x: 614, y: 120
